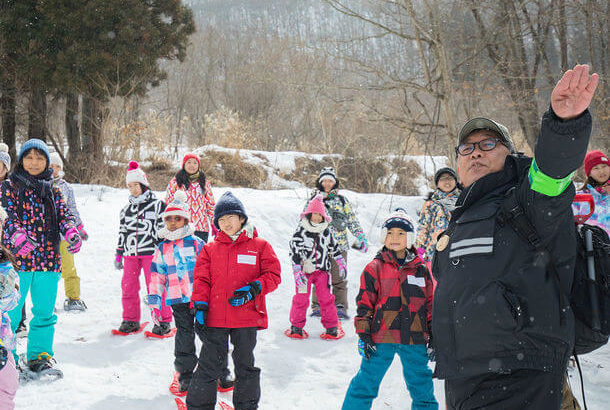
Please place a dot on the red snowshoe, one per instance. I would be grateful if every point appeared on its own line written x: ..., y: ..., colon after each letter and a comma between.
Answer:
x: 174, y: 388
x: 152, y: 335
x: 333, y: 333
x: 119, y: 332
x: 296, y: 333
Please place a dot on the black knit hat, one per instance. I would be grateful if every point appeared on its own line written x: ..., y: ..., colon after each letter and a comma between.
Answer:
x: 442, y: 171
x: 228, y: 204
x: 327, y: 173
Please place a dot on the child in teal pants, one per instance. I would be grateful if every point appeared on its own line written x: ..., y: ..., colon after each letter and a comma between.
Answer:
x: 393, y: 318
x: 37, y: 217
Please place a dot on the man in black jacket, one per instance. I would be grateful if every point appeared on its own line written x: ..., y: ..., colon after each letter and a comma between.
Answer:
x: 502, y: 330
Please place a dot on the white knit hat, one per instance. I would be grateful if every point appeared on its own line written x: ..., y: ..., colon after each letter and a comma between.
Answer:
x: 136, y: 174
x: 5, y: 157
x: 399, y: 219
x: 55, y: 159
x: 178, y: 207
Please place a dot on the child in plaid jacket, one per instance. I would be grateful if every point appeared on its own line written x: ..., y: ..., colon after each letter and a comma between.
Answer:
x: 393, y: 317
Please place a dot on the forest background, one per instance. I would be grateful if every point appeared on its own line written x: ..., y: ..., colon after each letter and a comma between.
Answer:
x: 106, y: 81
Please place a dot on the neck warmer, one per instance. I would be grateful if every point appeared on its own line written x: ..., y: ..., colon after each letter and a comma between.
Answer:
x: 194, y: 177
x: 179, y: 233
x: 314, y: 228
x: 41, y: 185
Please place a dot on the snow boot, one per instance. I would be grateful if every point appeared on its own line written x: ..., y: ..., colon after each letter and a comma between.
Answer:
x: 129, y: 326
x: 22, y: 330
x: 296, y: 333
x: 315, y: 312
x: 342, y: 313
x: 333, y: 333
x: 225, y: 385
x: 74, y: 305
x: 162, y: 328
x: 43, y: 366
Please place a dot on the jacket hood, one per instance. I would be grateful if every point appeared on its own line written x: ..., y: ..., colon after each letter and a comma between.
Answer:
x: 248, y: 231
x: 412, y: 259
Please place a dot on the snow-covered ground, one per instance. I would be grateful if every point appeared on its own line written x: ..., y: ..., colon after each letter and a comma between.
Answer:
x: 110, y: 372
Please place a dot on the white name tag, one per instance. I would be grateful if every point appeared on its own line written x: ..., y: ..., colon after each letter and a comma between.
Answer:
x: 413, y: 280
x: 186, y: 252
x: 247, y: 259
x: 150, y: 215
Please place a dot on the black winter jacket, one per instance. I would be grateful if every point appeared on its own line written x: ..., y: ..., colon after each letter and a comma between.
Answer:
x: 497, y: 306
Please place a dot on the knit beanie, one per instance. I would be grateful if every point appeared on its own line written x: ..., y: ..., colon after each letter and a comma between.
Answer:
x: 327, y: 173
x: 136, y: 174
x: 442, y: 171
x: 178, y: 206
x: 594, y: 158
x: 190, y: 155
x: 228, y: 204
x: 316, y: 205
x: 5, y: 158
x: 56, y: 159
x: 34, y: 143
x: 399, y: 219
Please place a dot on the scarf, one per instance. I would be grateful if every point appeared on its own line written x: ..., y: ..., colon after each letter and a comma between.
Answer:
x: 194, y: 177
x: 41, y: 185
x: 313, y: 228
x: 179, y: 233
x: 141, y: 198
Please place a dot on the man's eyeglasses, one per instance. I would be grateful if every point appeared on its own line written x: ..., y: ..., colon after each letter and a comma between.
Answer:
x: 487, y: 144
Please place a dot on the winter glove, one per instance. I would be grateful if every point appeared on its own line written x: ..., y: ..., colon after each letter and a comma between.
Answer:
x: 155, y: 314
x: 118, y: 262
x: 366, y: 346
x: 74, y: 241
x: 342, y: 267
x: 81, y: 231
x: 299, y: 277
x: 201, y: 312
x: 421, y: 252
x: 361, y: 245
x: 245, y: 294
x: 22, y: 243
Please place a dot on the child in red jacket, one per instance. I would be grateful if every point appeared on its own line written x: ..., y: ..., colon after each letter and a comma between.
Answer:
x: 232, y: 276
x: 393, y: 317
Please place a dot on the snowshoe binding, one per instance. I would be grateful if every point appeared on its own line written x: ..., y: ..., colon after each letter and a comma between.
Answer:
x: 74, y: 305
x: 161, y: 331
x: 224, y: 385
x: 296, y: 333
x: 129, y: 328
x: 42, y: 368
x: 179, y: 388
x: 333, y: 333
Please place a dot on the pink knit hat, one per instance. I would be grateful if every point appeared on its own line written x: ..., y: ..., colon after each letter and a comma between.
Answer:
x: 316, y: 205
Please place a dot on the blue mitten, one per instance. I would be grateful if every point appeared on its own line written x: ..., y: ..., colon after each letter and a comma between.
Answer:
x: 201, y: 312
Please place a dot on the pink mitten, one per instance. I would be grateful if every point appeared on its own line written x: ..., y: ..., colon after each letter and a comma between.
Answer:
x: 74, y: 241
x: 22, y: 243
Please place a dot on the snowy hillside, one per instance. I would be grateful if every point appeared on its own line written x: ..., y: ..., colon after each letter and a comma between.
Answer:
x: 108, y: 372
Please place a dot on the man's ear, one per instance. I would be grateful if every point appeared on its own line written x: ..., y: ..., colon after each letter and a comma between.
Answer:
x: 242, y: 220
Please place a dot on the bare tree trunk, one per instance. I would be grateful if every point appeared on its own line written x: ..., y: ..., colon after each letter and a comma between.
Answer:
x: 37, y: 114
x: 7, y: 111
x: 563, y: 37
x: 72, y: 130
x: 92, y: 143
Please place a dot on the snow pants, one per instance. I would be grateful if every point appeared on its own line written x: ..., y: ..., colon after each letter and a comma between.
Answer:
x: 9, y: 382
x: 300, y: 302
x: 184, y: 344
x: 521, y: 389
x: 339, y: 286
x: 43, y: 291
x: 68, y: 272
x: 130, y: 284
x: 418, y: 376
x: 202, y: 391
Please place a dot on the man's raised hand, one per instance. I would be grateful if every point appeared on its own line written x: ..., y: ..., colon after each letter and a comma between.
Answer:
x: 574, y: 92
